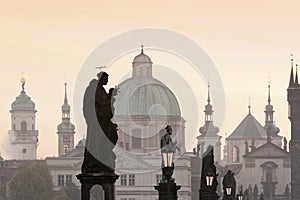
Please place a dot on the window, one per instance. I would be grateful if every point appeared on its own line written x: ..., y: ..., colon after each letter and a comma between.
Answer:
x: 131, y: 179
x: 158, y: 178
x: 64, y: 180
x: 235, y: 154
x: 32, y: 127
x: 23, y: 126
x: 61, y: 180
x: 14, y: 127
x: 68, y: 179
x: 123, y: 179
x: 66, y: 138
x: 66, y: 148
x: 136, y: 138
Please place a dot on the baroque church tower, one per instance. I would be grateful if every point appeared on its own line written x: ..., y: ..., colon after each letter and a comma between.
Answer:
x: 23, y: 136
x: 65, y: 129
x: 293, y: 98
x: 209, y: 132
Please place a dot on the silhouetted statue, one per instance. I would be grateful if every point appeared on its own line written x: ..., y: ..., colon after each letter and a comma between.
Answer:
x: 250, y: 192
x: 261, y: 196
x: 229, y: 182
x: 246, y: 194
x: 255, y: 192
x: 285, y: 143
x: 101, y: 132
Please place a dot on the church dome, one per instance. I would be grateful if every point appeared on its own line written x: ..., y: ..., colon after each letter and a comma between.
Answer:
x: 142, y: 95
x: 66, y: 126
x: 145, y: 97
x: 269, y: 107
x: 23, y: 102
x: 142, y: 58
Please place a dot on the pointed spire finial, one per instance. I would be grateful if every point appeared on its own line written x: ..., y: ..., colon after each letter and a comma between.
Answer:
x: 296, y: 76
x: 142, y: 49
x: 269, y: 92
x: 66, y: 98
x: 249, y: 104
x: 292, y: 72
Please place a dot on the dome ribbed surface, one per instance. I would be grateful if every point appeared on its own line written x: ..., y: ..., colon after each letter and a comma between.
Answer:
x: 23, y: 102
x: 145, y: 97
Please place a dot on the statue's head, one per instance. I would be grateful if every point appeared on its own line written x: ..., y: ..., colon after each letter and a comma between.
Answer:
x: 169, y: 129
x: 103, y: 78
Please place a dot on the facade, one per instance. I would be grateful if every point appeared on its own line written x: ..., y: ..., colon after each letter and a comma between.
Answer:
x: 255, y: 154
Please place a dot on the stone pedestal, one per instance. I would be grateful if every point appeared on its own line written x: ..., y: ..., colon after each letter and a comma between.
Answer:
x: 167, y: 191
x: 208, y: 194
x: 106, y: 181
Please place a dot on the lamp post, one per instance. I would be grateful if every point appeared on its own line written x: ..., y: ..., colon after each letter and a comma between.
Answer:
x: 229, y: 186
x: 167, y: 188
x: 209, y: 181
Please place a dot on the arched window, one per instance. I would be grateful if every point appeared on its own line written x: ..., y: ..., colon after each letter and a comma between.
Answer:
x: 235, y: 154
x: 66, y: 148
x: 23, y: 126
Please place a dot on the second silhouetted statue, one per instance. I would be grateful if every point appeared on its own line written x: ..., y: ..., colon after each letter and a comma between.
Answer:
x: 101, y: 131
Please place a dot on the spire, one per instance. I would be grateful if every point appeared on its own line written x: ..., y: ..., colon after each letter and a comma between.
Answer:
x: 65, y: 108
x: 66, y: 98
x: 269, y: 92
x: 296, y: 79
x: 249, y: 104
x: 208, y: 92
x: 142, y: 49
x: 292, y: 73
x: 209, y: 127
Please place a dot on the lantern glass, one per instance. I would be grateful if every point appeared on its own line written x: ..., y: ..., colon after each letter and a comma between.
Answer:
x: 228, y: 191
x: 209, y: 180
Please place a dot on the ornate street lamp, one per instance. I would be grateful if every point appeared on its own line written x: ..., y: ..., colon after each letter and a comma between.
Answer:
x: 239, y: 197
x: 209, y: 183
x: 229, y: 185
x: 228, y: 191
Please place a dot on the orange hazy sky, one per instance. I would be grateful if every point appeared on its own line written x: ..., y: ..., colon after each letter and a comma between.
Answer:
x: 48, y: 41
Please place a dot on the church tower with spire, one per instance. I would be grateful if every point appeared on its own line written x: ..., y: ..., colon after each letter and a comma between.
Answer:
x: 293, y: 98
x: 209, y: 132
x: 270, y: 126
x: 65, y: 129
x: 23, y: 136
